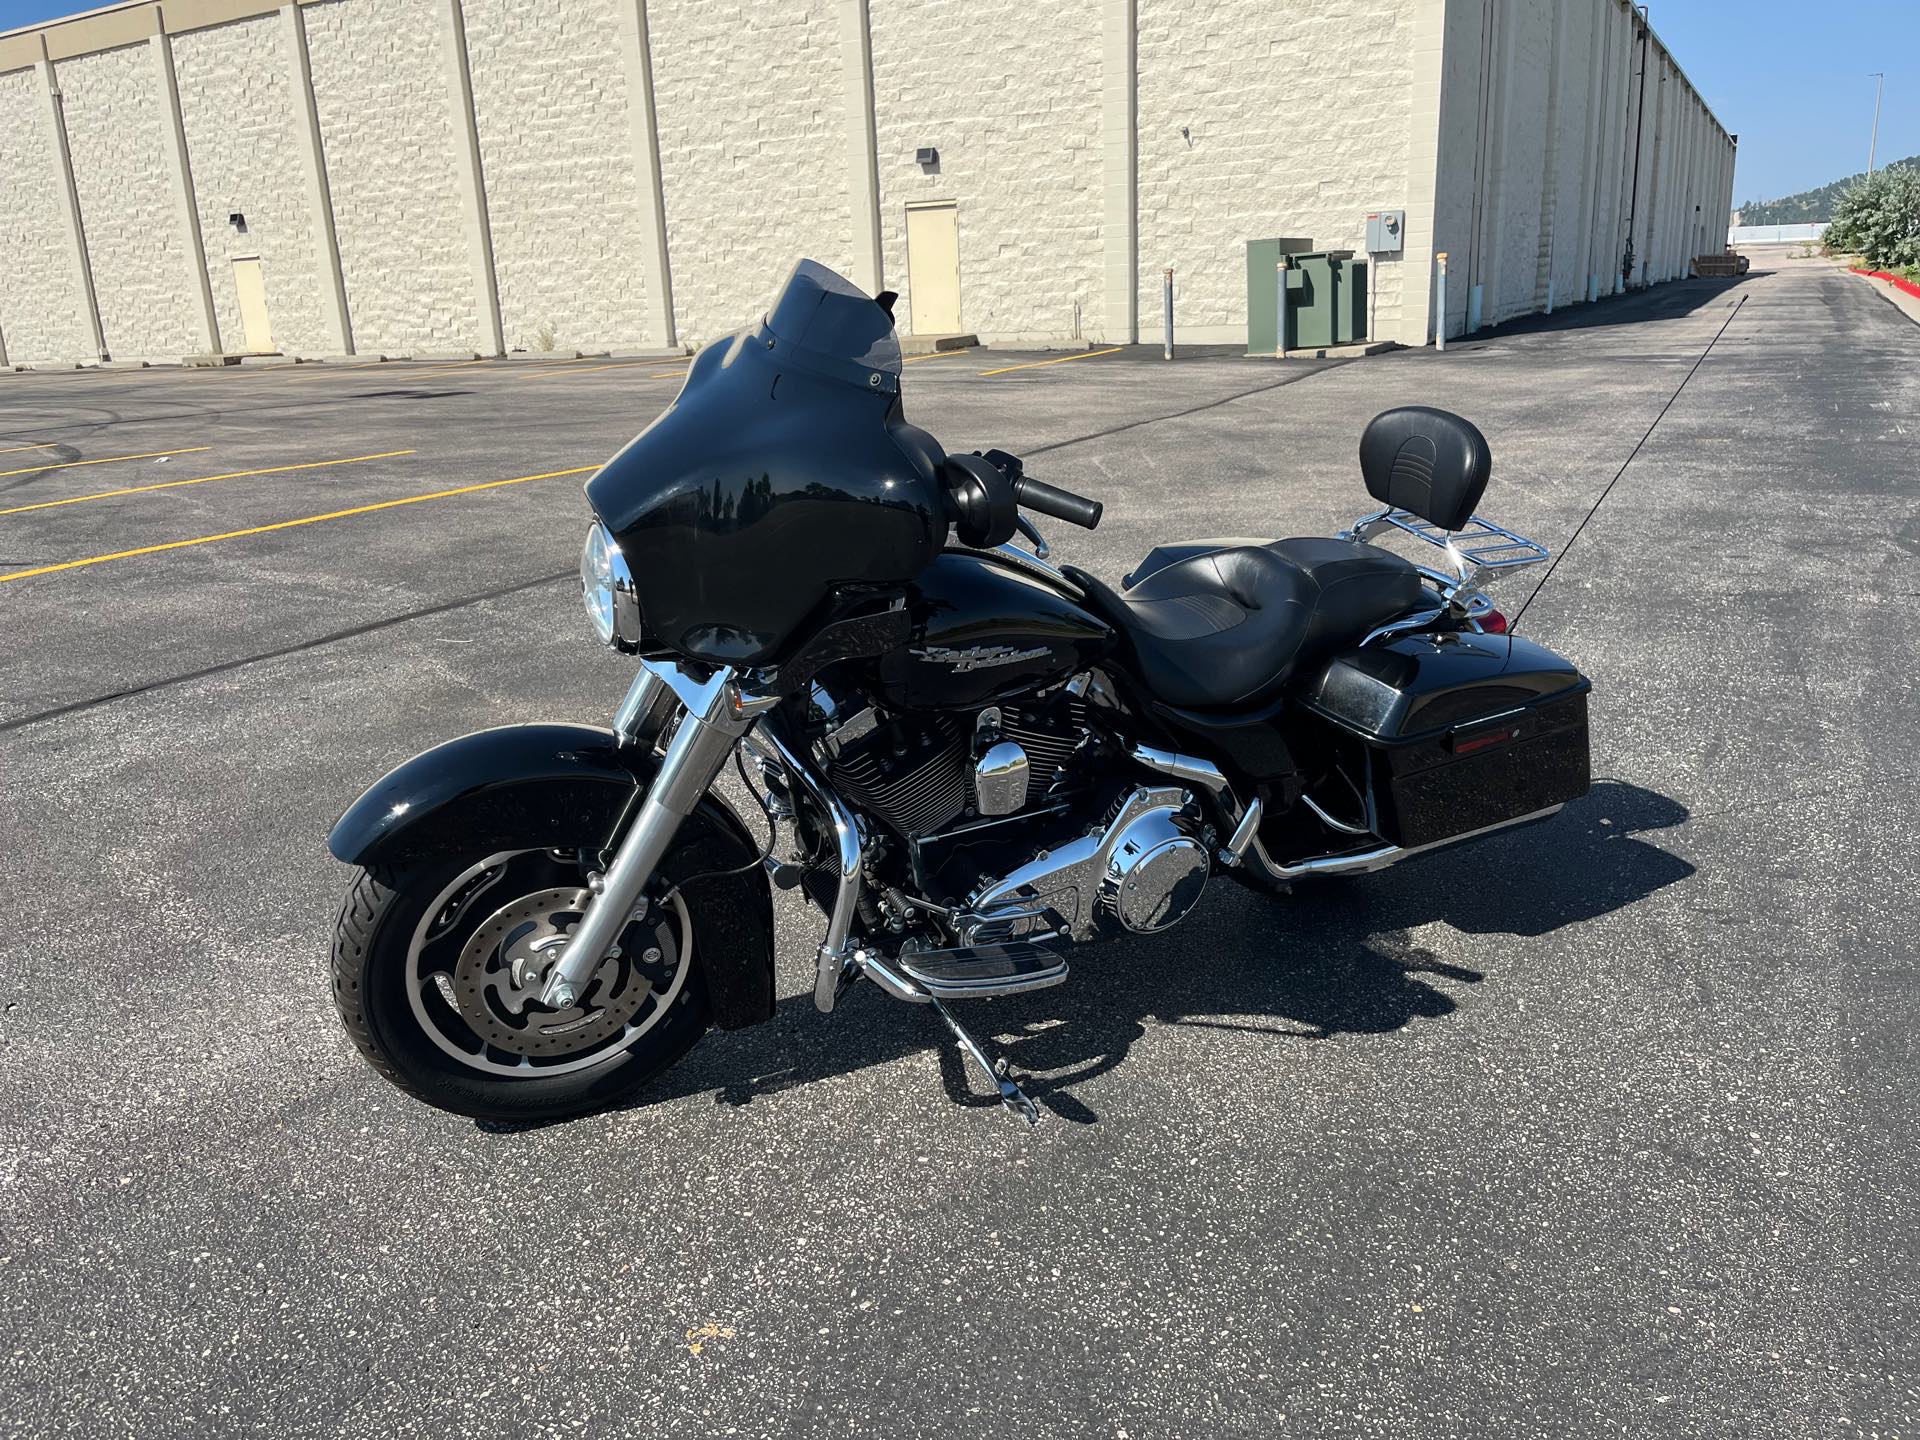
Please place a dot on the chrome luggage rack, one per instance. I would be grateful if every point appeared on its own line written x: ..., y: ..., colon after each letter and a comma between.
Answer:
x: 1478, y: 552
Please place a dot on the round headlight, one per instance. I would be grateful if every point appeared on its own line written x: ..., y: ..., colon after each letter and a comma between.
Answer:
x: 606, y: 586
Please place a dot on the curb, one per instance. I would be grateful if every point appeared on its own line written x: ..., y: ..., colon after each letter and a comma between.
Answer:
x: 938, y: 344
x: 1896, y: 281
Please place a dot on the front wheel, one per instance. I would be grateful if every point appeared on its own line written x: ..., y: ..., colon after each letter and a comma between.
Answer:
x: 438, y: 969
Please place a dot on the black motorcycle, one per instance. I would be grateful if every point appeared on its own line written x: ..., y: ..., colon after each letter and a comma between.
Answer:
x: 968, y: 760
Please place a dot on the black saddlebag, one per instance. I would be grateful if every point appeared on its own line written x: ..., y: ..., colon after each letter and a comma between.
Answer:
x: 1456, y: 732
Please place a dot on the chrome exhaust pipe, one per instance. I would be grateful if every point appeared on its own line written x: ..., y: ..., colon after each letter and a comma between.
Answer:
x: 1246, y: 821
x: 1365, y: 862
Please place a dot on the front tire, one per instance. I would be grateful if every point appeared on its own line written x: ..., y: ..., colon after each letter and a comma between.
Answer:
x: 436, y: 970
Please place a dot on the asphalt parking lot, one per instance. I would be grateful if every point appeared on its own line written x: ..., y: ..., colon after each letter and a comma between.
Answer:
x: 1604, y: 1128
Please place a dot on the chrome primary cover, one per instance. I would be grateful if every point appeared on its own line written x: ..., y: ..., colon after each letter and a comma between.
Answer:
x: 1155, y: 873
x: 1141, y: 872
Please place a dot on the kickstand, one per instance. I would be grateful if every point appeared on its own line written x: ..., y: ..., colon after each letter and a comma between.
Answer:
x: 1011, y: 1095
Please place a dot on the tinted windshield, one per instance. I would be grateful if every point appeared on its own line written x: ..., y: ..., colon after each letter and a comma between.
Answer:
x: 829, y: 318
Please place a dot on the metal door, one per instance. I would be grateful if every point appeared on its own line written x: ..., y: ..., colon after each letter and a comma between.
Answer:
x: 251, y: 286
x: 933, y: 267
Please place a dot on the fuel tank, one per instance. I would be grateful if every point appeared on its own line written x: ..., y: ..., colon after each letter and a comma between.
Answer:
x: 985, y: 631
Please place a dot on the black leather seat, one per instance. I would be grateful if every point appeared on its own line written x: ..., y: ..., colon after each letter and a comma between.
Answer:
x: 1224, y: 629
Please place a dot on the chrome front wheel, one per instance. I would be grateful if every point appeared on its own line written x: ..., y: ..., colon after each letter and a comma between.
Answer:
x: 480, y: 956
x: 438, y: 972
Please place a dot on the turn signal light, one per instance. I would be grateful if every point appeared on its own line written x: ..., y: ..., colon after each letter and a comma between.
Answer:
x: 1493, y: 623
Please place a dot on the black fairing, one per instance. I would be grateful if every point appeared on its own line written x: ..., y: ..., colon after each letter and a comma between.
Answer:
x: 984, y: 631
x: 784, y: 471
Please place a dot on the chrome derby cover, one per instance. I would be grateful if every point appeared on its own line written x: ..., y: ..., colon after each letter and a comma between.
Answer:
x: 783, y: 471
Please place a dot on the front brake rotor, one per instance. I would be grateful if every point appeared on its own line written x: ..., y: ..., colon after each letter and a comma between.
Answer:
x: 505, y: 963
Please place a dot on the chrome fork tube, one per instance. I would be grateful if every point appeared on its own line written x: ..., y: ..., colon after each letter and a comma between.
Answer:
x: 716, y: 714
x: 644, y: 712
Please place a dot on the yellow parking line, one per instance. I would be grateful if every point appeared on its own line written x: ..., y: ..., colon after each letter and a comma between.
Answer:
x: 289, y: 524
x: 338, y: 370
x: 318, y: 371
x: 909, y: 360
x: 202, y: 480
x: 48, y: 445
x: 399, y: 369
x: 1061, y: 360
x: 104, y: 460
x: 548, y: 374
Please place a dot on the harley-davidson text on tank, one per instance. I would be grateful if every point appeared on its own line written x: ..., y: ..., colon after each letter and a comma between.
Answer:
x: 980, y: 657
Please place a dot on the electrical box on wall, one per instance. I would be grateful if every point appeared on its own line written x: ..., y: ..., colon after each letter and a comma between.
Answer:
x: 1386, y: 231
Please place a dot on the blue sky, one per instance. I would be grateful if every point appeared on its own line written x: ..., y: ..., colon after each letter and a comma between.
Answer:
x: 1790, y: 79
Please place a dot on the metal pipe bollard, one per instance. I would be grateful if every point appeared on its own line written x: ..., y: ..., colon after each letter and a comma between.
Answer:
x: 1440, y: 302
x: 1280, y: 312
x: 1166, y: 305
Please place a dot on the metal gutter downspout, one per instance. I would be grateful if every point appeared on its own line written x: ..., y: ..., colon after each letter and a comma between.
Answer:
x: 1639, y: 125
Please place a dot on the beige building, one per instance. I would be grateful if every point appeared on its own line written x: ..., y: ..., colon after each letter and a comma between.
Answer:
x: 421, y: 176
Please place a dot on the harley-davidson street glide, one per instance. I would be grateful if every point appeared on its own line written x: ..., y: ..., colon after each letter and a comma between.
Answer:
x: 972, y: 763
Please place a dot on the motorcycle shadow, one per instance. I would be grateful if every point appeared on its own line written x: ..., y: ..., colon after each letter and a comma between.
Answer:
x: 1334, y: 958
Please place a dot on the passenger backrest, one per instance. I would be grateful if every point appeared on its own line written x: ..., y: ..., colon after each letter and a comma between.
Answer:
x: 1427, y: 461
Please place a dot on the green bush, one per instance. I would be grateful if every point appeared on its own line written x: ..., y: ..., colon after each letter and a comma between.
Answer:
x: 1879, y: 218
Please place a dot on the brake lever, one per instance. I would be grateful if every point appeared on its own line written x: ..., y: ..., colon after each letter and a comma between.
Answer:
x: 1041, y: 550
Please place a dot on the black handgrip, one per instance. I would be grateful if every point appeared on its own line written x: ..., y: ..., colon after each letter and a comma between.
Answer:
x: 1061, y: 504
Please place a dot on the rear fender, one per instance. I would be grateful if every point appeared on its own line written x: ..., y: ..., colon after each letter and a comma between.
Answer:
x: 556, y: 786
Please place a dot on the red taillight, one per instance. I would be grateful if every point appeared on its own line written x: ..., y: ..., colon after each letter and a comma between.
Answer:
x: 1494, y: 623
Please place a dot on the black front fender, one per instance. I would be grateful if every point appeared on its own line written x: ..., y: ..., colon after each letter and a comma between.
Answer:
x: 552, y: 786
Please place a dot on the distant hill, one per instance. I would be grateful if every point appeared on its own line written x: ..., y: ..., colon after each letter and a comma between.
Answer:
x: 1808, y: 205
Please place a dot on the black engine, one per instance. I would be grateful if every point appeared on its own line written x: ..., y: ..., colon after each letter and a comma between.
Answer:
x: 961, y: 804
x: 917, y: 773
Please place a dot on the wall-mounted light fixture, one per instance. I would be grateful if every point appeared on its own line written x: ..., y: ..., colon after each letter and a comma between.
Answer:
x: 238, y: 221
x: 926, y: 157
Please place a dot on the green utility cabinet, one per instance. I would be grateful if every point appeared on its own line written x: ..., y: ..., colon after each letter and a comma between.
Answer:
x: 1263, y: 289
x: 1350, y: 302
x: 1326, y: 296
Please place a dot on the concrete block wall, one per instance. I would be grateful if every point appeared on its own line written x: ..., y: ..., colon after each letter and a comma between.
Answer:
x: 237, y: 105
x: 424, y: 175
x: 42, y: 305
x: 753, y: 127
x: 1017, y: 123
x: 563, y: 193
x: 1261, y: 121
x: 1567, y: 129
x: 112, y: 101
x: 380, y: 90
x: 1566, y: 238
x: 1525, y: 153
